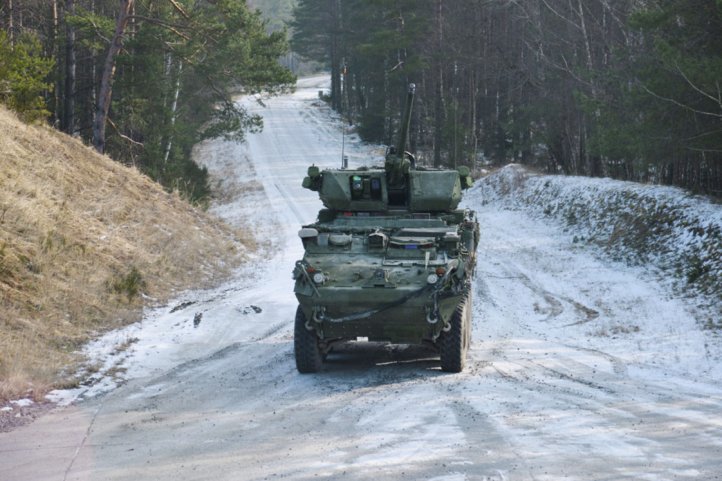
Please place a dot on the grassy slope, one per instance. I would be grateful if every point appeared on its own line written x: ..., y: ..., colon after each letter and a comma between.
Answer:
x: 74, y: 228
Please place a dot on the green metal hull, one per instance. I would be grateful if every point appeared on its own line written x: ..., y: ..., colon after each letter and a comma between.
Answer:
x: 405, y: 323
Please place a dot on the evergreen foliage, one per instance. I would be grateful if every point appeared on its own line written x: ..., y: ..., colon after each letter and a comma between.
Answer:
x: 279, y: 13
x: 23, y: 73
x: 619, y: 88
x: 172, y: 81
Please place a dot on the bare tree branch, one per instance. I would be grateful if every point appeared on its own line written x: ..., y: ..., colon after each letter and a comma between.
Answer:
x: 121, y: 135
x: 169, y: 26
x: 180, y: 10
x: 551, y: 9
x: 718, y: 100
x: 679, y: 104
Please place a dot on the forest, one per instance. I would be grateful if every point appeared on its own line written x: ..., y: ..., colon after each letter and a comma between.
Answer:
x: 629, y: 89
x: 140, y: 80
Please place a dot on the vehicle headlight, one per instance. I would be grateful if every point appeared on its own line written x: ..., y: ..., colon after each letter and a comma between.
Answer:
x: 319, y: 278
x: 432, y: 279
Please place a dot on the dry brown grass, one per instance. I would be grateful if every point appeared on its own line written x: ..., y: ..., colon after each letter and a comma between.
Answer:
x: 74, y: 226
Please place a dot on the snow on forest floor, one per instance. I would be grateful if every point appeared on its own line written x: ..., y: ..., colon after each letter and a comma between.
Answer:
x: 659, y: 228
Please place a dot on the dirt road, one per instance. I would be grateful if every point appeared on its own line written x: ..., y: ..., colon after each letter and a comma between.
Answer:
x: 580, y: 369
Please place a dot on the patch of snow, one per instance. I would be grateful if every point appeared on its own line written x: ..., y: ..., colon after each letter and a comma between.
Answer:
x: 658, y: 227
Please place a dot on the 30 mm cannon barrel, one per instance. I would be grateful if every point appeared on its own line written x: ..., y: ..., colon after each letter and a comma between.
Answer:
x: 398, y: 163
x: 406, y: 121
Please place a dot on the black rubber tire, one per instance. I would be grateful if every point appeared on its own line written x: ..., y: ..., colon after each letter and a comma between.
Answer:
x: 454, y: 344
x: 305, y: 346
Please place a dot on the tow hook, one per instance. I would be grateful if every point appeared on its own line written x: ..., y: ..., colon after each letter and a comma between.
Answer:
x: 319, y: 312
x: 432, y: 312
x: 432, y: 315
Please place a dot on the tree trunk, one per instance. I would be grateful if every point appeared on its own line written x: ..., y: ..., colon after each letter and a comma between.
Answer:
x: 93, y: 68
x: 592, y: 164
x: 336, y: 101
x: 68, y: 124
x: 11, y: 25
x: 439, y: 86
x: 55, y: 49
x: 106, y: 82
x: 173, y: 112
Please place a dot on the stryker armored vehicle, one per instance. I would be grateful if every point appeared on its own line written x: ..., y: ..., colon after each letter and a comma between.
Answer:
x: 389, y: 259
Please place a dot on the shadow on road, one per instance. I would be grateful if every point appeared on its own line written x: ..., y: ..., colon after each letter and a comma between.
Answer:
x: 388, y: 363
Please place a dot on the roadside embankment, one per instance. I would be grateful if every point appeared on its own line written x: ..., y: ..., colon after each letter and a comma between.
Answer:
x: 85, y: 243
x: 665, y: 228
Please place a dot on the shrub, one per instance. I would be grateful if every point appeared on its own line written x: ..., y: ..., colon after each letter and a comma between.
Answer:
x: 130, y: 284
x: 23, y: 76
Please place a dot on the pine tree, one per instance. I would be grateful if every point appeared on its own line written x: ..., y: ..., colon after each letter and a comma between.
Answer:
x: 23, y: 76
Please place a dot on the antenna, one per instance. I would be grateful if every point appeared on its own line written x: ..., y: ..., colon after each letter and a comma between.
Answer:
x: 344, y: 159
x: 344, y: 109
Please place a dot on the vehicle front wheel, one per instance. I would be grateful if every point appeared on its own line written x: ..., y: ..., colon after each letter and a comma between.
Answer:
x: 454, y: 344
x: 305, y: 346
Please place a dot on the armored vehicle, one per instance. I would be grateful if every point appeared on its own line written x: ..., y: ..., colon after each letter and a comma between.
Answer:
x: 389, y: 259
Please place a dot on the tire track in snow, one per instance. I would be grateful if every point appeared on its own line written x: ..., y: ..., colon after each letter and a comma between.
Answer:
x: 301, y: 219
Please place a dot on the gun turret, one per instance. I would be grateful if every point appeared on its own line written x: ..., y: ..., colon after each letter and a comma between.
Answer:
x: 398, y: 186
x: 398, y: 161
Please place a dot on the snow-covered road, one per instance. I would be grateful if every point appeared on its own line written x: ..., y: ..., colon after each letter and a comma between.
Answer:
x: 580, y: 369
